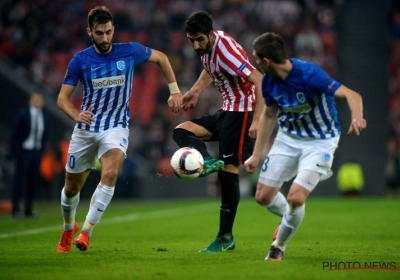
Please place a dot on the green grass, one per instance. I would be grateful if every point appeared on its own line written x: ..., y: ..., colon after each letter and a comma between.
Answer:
x: 160, y: 240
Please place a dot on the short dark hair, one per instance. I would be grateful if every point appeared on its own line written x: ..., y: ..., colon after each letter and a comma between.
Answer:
x: 99, y: 15
x: 199, y: 22
x: 270, y: 45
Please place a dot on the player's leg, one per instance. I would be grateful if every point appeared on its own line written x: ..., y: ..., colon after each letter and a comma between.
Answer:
x: 274, y: 201
x: 69, y: 204
x: 81, y: 159
x: 193, y: 134
x: 279, y: 166
x: 302, y: 186
x: 314, y: 165
x: 235, y: 146
x: 112, y: 152
x: 230, y: 197
x: 294, y: 214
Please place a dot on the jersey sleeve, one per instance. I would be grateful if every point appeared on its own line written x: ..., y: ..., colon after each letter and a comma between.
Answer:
x: 268, y: 100
x: 234, y: 59
x: 322, y: 82
x: 140, y: 53
x: 73, y: 72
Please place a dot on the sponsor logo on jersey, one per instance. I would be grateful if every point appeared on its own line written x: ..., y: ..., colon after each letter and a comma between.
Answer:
x: 300, y: 109
x: 108, y: 82
x: 121, y: 65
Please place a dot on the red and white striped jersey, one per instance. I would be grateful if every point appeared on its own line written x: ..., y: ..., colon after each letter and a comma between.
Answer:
x: 230, y: 68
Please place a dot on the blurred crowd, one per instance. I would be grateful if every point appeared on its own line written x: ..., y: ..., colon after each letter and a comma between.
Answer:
x: 393, y: 149
x: 43, y: 35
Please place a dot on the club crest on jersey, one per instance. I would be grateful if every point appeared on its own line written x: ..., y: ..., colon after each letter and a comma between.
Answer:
x: 121, y: 65
x: 326, y: 157
x: 301, y: 97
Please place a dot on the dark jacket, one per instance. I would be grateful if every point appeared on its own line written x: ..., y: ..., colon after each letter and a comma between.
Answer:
x: 20, y: 132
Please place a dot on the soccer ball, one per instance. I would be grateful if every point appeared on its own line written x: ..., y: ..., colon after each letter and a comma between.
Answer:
x: 187, y: 163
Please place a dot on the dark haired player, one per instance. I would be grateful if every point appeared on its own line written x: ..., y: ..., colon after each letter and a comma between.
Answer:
x: 105, y: 71
x: 226, y: 65
x: 300, y: 96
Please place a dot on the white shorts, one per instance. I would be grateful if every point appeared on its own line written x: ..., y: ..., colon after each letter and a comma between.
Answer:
x: 290, y: 154
x: 86, y: 147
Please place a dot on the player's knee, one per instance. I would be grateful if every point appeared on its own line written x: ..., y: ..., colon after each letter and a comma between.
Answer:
x: 71, y: 188
x: 260, y: 199
x: 178, y: 134
x: 263, y: 197
x: 109, y: 175
x: 295, y: 200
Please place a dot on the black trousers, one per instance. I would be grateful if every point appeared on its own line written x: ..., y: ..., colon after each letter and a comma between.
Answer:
x: 26, y: 180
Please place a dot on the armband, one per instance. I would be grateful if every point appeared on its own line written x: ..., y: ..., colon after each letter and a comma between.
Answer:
x: 173, y: 88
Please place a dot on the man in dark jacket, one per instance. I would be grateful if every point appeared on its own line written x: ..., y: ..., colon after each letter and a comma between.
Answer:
x: 27, y: 143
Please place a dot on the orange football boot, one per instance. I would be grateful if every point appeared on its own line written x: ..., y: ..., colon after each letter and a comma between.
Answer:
x: 82, y: 241
x: 64, y: 245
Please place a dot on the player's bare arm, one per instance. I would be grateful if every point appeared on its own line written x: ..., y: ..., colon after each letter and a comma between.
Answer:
x: 191, y: 97
x: 255, y: 78
x: 354, y: 100
x: 175, y: 98
x: 69, y: 109
x: 266, y: 126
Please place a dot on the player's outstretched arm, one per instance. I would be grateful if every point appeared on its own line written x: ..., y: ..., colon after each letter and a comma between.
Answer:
x: 354, y: 100
x: 191, y: 97
x: 266, y: 125
x: 175, y: 98
x: 69, y: 109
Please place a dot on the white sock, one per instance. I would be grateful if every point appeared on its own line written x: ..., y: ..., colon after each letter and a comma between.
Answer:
x: 68, y: 209
x: 278, y: 205
x: 98, y: 204
x: 290, y: 223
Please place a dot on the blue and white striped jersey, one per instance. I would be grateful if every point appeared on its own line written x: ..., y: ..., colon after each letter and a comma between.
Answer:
x: 106, y: 82
x: 305, y: 101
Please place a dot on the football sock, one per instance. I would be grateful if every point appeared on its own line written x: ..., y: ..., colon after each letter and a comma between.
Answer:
x: 290, y: 222
x: 185, y: 138
x: 98, y: 204
x: 278, y: 205
x: 230, y: 197
x: 68, y: 209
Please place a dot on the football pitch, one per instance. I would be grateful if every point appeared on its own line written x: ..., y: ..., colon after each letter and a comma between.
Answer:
x: 338, y: 239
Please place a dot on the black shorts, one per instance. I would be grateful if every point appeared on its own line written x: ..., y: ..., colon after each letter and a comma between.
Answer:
x: 231, y: 129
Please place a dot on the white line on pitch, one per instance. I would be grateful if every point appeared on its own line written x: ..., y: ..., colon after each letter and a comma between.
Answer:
x: 133, y: 217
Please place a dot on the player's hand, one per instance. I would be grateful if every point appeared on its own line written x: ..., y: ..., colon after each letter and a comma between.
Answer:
x: 251, y: 164
x: 253, y: 129
x: 189, y: 100
x: 357, y: 125
x: 175, y: 102
x: 86, y: 117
